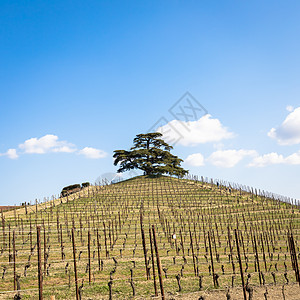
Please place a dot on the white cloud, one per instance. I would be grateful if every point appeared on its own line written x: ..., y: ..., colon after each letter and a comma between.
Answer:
x: 92, y: 153
x: 10, y: 153
x: 202, y: 131
x: 47, y: 143
x: 50, y: 143
x: 267, y: 159
x: 275, y: 159
x: 195, y: 159
x: 229, y: 158
x: 288, y: 133
x: 218, y: 146
x: 290, y: 108
x: 66, y: 149
x: 293, y: 159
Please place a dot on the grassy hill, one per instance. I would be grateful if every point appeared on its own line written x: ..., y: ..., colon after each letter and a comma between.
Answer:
x: 199, y: 228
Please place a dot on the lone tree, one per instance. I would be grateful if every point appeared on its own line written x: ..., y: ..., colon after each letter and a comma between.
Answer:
x: 150, y: 154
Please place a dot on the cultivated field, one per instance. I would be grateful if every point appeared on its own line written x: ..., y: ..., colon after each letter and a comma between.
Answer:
x: 200, y: 236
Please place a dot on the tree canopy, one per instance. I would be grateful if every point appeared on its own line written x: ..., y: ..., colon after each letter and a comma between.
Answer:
x: 151, y: 154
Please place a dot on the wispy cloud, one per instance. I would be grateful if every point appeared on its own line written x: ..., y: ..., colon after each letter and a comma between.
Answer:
x: 229, y: 158
x: 10, y: 153
x: 92, y: 153
x: 196, y: 160
x: 50, y: 143
x: 274, y: 158
x: 220, y: 158
x: 288, y: 133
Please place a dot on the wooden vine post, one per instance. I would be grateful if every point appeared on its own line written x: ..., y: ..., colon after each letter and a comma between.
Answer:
x: 14, y: 258
x: 193, y: 254
x: 45, y: 253
x: 75, y: 267
x: 39, y: 252
x: 144, y: 246
x: 212, y: 260
x: 240, y: 263
x: 294, y: 256
x: 98, y: 247
x: 153, y: 263
x: 257, y: 258
x: 158, y: 264
x: 89, y: 256
x: 230, y: 248
x: 3, y: 228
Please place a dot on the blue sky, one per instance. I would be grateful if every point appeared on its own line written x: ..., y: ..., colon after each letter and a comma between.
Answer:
x: 79, y: 79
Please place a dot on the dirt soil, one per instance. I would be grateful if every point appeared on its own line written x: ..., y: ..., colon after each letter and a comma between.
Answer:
x: 291, y: 292
x: 4, y: 208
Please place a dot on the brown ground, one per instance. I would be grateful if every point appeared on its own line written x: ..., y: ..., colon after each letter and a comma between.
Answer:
x: 291, y: 292
x: 7, y: 207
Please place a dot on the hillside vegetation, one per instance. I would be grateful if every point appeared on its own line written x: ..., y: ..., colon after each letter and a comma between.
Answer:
x: 206, y: 234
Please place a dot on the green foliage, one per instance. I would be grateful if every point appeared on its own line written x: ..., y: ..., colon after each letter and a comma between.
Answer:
x: 85, y: 184
x: 71, y: 187
x: 67, y: 190
x: 150, y: 154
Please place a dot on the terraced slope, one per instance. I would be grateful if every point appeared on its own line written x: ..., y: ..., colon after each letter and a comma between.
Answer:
x: 197, y: 229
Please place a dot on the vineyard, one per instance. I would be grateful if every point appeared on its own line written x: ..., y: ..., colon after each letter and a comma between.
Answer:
x: 158, y: 238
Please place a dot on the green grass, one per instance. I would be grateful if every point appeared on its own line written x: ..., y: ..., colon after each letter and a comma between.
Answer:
x: 172, y: 205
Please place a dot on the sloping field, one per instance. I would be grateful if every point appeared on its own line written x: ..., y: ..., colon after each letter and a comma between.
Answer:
x: 6, y: 208
x: 205, y: 236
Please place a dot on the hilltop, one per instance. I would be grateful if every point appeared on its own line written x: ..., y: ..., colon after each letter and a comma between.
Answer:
x: 199, y: 228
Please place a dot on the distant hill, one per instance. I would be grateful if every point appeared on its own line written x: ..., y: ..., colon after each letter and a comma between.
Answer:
x: 206, y: 233
x: 8, y: 207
